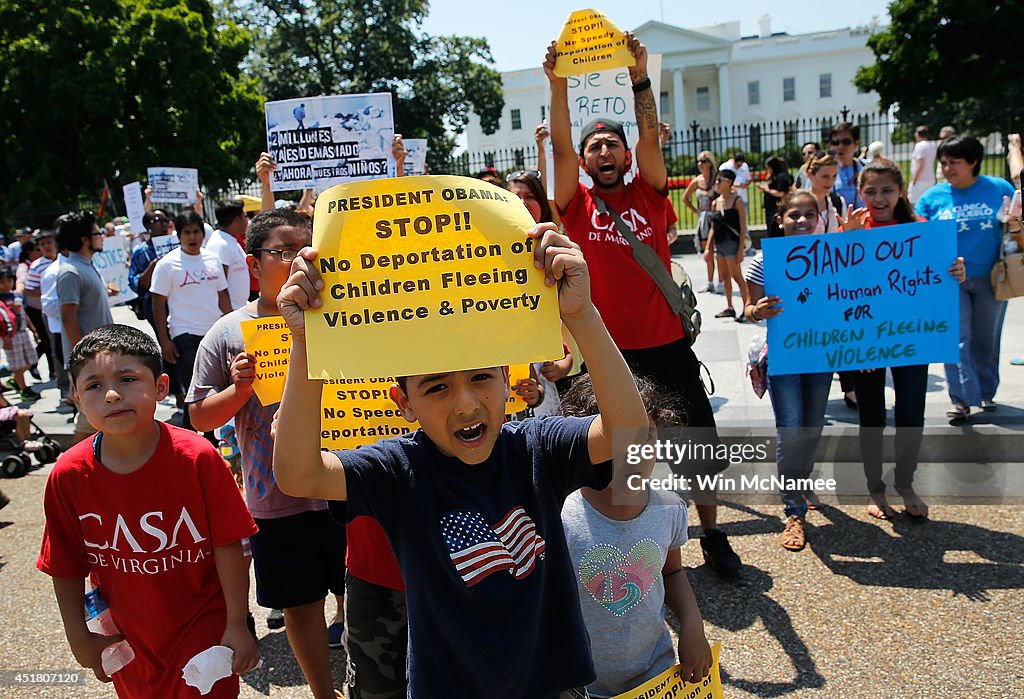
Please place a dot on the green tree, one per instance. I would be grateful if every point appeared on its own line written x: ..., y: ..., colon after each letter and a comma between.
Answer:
x: 950, y: 61
x: 108, y: 88
x: 325, y: 47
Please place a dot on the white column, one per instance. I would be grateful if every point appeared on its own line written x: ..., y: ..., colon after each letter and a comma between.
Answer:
x: 678, y: 110
x: 725, y: 113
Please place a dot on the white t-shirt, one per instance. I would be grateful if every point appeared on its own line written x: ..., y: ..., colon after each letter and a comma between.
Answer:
x: 191, y: 284
x: 742, y: 176
x: 48, y: 296
x: 224, y: 246
x: 924, y: 151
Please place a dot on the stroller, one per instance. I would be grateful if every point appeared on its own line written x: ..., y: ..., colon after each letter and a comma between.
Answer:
x: 16, y: 459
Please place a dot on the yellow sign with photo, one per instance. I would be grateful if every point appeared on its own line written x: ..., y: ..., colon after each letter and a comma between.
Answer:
x: 589, y: 42
x: 423, y: 275
x: 269, y: 341
x: 355, y: 412
x: 670, y: 685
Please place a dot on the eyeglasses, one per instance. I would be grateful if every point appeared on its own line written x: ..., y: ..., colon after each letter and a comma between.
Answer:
x: 285, y: 255
x: 842, y: 141
x: 523, y: 173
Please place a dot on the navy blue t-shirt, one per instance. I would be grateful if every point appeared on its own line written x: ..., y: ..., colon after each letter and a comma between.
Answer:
x: 490, y: 589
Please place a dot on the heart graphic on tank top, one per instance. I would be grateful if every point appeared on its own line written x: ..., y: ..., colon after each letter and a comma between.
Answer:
x: 619, y: 581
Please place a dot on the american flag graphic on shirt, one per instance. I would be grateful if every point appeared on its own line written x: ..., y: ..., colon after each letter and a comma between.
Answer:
x: 478, y: 549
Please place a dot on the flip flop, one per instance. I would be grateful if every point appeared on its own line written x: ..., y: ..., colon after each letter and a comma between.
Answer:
x: 880, y: 508
x: 1017, y: 361
x: 914, y: 506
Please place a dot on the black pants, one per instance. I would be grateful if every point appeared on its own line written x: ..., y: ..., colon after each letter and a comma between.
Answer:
x: 910, y: 384
x: 43, y: 347
x: 187, y: 346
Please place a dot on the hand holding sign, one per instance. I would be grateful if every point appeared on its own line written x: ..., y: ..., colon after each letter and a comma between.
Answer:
x: 563, y: 264
x: 300, y: 293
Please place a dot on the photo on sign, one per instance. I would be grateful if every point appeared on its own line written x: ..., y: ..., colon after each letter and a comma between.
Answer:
x: 318, y: 142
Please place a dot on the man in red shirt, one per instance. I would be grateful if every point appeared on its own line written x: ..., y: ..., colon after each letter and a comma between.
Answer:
x: 640, y: 320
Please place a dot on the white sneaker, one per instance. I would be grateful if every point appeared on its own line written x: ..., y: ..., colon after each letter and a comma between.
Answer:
x: 720, y: 288
x: 710, y: 289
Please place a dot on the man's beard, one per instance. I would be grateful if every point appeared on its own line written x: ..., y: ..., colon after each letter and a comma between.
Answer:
x: 619, y: 179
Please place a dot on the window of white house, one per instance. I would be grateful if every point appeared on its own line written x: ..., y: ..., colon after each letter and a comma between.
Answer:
x: 825, y: 85
x: 788, y: 89
x: 703, y: 99
x: 754, y: 92
x: 665, y: 107
x: 517, y: 120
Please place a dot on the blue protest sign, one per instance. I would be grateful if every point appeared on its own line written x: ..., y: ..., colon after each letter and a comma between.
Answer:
x: 863, y: 299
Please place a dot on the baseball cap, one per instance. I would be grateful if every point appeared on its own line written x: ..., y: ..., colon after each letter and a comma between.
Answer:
x: 602, y: 125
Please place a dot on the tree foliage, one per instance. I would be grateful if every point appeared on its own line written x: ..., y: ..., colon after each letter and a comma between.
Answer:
x: 106, y: 88
x: 323, y: 47
x: 950, y: 62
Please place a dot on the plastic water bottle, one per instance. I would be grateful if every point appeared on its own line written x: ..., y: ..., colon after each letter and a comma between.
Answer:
x: 98, y: 620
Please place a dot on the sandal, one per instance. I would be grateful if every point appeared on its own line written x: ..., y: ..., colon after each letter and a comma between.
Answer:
x: 811, y: 498
x: 793, y: 537
x: 913, y: 505
x: 727, y: 313
x: 880, y: 508
x: 959, y: 411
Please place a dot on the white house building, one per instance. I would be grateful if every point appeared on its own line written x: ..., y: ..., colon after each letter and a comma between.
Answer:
x: 715, y: 77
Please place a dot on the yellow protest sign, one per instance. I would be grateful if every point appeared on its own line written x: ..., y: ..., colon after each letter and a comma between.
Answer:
x: 426, y: 274
x: 669, y: 685
x: 269, y: 341
x: 355, y: 412
x: 516, y: 373
x: 589, y: 42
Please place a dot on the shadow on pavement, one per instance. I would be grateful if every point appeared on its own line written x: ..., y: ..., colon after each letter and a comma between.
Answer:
x: 913, y: 554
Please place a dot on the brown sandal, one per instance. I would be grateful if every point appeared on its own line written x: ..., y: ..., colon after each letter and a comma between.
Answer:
x: 793, y: 537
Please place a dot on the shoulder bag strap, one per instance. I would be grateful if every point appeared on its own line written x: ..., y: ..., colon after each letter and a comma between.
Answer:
x: 647, y: 258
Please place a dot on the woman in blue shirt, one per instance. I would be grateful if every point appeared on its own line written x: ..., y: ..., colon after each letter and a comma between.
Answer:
x: 973, y: 201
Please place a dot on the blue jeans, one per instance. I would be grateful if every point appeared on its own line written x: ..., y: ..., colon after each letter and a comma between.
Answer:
x: 976, y: 377
x: 799, y: 403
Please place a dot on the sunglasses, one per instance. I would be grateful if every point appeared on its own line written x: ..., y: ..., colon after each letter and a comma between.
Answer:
x: 842, y: 141
x: 522, y: 173
x: 702, y: 161
x: 285, y: 255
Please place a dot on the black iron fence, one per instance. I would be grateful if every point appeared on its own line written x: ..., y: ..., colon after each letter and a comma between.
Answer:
x: 757, y: 141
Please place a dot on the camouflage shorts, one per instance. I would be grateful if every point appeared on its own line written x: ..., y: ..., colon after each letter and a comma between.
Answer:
x: 375, y: 640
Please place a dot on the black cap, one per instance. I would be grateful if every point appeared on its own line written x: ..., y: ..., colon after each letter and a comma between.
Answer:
x: 602, y: 125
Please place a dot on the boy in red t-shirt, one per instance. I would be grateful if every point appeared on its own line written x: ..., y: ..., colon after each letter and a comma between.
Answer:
x: 151, y: 514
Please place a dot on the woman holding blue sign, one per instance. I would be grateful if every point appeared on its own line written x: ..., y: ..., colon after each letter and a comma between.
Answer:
x: 880, y: 187
x: 974, y: 201
x: 798, y: 400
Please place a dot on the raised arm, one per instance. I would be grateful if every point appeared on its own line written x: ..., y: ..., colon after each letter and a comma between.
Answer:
x: 623, y: 418
x: 649, y: 158
x: 567, y: 162
x: 300, y: 468
x: 264, y: 166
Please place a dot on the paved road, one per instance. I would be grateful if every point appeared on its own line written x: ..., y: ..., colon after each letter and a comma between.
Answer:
x: 869, y: 609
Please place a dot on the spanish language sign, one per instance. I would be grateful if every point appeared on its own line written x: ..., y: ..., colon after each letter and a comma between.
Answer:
x: 607, y: 94
x: 358, y: 412
x: 322, y: 141
x: 112, y: 264
x: 173, y: 185
x: 426, y: 274
x: 163, y: 244
x: 134, y: 207
x: 589, y: 42
x: 269, y: 341
x: 669, y: 685
x: 863, y: 299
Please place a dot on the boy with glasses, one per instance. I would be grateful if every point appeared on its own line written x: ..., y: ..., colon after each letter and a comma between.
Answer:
x: 299, y: 552
x: 844, y: 143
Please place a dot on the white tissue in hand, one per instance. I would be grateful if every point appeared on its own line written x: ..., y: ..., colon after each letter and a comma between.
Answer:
x: 205, y: 668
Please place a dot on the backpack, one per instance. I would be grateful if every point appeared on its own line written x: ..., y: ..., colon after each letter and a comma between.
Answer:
x: 8, y: 321
x: 683, y: 301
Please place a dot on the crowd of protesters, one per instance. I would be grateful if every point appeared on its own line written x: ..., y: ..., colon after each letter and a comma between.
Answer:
x: 357, y: 525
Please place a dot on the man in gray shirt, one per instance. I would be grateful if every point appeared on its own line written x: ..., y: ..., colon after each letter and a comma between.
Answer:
x: 80, y: 290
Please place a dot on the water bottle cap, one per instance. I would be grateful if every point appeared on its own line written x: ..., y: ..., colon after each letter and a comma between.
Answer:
x: 94, y: 603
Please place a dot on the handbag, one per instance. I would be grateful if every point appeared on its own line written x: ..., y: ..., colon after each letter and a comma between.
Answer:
x: 680, y: 297
x: 1008, y: 272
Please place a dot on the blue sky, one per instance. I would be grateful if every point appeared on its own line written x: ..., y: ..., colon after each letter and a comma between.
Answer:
x: 519, y: 32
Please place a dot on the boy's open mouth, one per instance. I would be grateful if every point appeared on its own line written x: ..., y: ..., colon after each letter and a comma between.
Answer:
x: 472, y: 434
